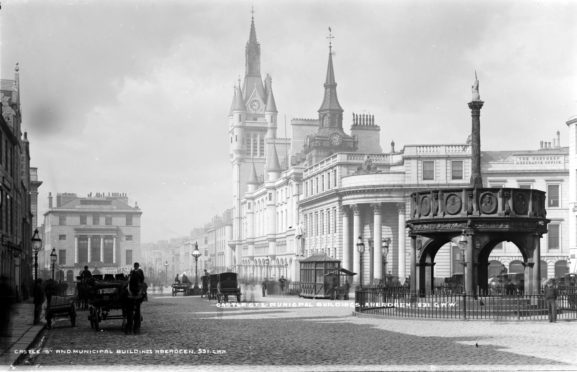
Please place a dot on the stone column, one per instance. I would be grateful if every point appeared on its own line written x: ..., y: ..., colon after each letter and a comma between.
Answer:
x: 346, y: 239
x: 476, y: 180
x: 102, y: 248
x: 76, y: 249
x: 469, y: 279
x: 356, y: 255
x: 402, y: 272
x: 378, y: 239
x: 114, y: 249
x: 89, y: 248
x: 537, y: 266
x: 413, y: 282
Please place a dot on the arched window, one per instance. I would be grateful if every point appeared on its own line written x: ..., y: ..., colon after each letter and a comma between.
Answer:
x: 561, y: 268
x: 516, y: 267
x: 496, y: 268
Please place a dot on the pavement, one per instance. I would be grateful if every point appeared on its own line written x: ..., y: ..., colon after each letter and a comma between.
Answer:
x: 23, y: 333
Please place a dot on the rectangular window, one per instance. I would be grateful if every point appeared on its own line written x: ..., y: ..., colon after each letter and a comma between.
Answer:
x: 128, y: 256
x: 62, y: 237
x: 428, y: 170
x: 322, y: 183
x: 83, y: 219
x: 553, y: 236
x: 96, y: 219
x: 128, y: 220
x: 108, y: 220
x: 62, y: 220
x: 62, y: 257
x: 553, y: 196
x: 457, y: 170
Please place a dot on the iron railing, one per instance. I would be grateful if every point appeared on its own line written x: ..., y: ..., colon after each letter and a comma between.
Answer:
x: 401, y: 302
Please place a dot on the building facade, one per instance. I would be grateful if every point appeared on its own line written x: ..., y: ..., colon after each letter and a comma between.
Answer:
x: 325, y: 189
x: 17, y: 185
x: 100, y: 230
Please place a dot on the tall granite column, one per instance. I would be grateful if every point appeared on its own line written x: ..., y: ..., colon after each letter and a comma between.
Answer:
x: 475, y: 105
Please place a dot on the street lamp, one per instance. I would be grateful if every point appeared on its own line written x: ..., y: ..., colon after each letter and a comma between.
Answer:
x: 36, y: 246
x: 196, y: 255
x: 361, y: 249
x: 166, y: 271
x: 385, y: 250
x: 53, y: 260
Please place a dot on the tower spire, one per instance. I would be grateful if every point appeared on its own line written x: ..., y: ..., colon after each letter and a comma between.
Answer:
x: 331, y: 112
x: 252, y: 77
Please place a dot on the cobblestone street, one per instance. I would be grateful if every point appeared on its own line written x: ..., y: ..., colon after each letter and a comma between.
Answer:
x: 294, y: 333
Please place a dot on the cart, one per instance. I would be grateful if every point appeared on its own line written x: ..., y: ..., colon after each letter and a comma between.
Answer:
x: 111, y: 299
x: 185, y: 288
x: 60, y: 307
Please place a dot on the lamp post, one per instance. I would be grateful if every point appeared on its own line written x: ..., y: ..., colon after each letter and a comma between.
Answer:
x: 463, y: 243
x: 36, y: 246
x: 196, y: 255
x: 361, y: 249
x: 385, y: 251
x: 166, y: 271
x: 53, y: 260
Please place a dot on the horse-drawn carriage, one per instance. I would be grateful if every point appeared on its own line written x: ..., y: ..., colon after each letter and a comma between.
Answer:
x: 220, y: 286
x: 227, y: 286
x: 106, y: 296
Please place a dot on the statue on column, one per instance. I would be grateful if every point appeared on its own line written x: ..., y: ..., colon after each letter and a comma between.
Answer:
x: 475, y: 89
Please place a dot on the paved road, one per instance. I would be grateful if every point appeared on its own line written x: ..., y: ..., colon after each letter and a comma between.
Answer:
x: 292, y: 333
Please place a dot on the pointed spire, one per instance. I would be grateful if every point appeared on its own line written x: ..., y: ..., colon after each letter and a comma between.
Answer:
x: 237, y: 101
x: 274, y: 165
x: 252, y: 77
x: 253, y: 179
x: 330, y: 100
x: 270, y: 102
x: 16, y: 89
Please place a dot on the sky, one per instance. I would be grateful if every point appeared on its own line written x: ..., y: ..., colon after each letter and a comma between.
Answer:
x: 133, y: 96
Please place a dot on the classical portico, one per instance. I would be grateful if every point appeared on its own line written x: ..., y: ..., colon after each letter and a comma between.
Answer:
x: 377, y: 223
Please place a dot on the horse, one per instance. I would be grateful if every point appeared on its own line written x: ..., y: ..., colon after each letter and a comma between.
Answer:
x: 132, y: 296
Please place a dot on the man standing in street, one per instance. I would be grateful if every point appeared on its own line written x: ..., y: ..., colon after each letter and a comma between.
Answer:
x: 38, y: 300
x: 551, y: 300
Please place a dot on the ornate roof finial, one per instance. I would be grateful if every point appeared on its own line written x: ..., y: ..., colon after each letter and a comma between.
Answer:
x: 252, y: 12
x: 330, y: 37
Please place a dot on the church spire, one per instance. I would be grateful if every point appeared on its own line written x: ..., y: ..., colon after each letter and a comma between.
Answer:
x: 330, y: 112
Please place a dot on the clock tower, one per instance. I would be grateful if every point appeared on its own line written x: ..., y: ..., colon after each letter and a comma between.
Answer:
x: 330, y: 137
x: 252, y: 128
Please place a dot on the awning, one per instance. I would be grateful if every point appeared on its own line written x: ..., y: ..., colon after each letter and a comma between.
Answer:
x: 342, y: 271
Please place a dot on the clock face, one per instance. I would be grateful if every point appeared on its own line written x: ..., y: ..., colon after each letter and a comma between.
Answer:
x: 336, y: 139
x: 254, y: 105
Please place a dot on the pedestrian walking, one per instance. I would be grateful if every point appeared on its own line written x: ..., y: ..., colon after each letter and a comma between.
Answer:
x: 282, y: 282
x: 38, y: 300
x: 551, y: 300
x: 263, y: 285
x: 85, y: 274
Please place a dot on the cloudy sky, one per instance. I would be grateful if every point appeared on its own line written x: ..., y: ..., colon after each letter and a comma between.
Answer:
x: 133, y: 96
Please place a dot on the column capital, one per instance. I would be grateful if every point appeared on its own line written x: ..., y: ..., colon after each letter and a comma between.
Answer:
x: 401, y: 207
x: 377, y: 208
x: 356, y: 209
